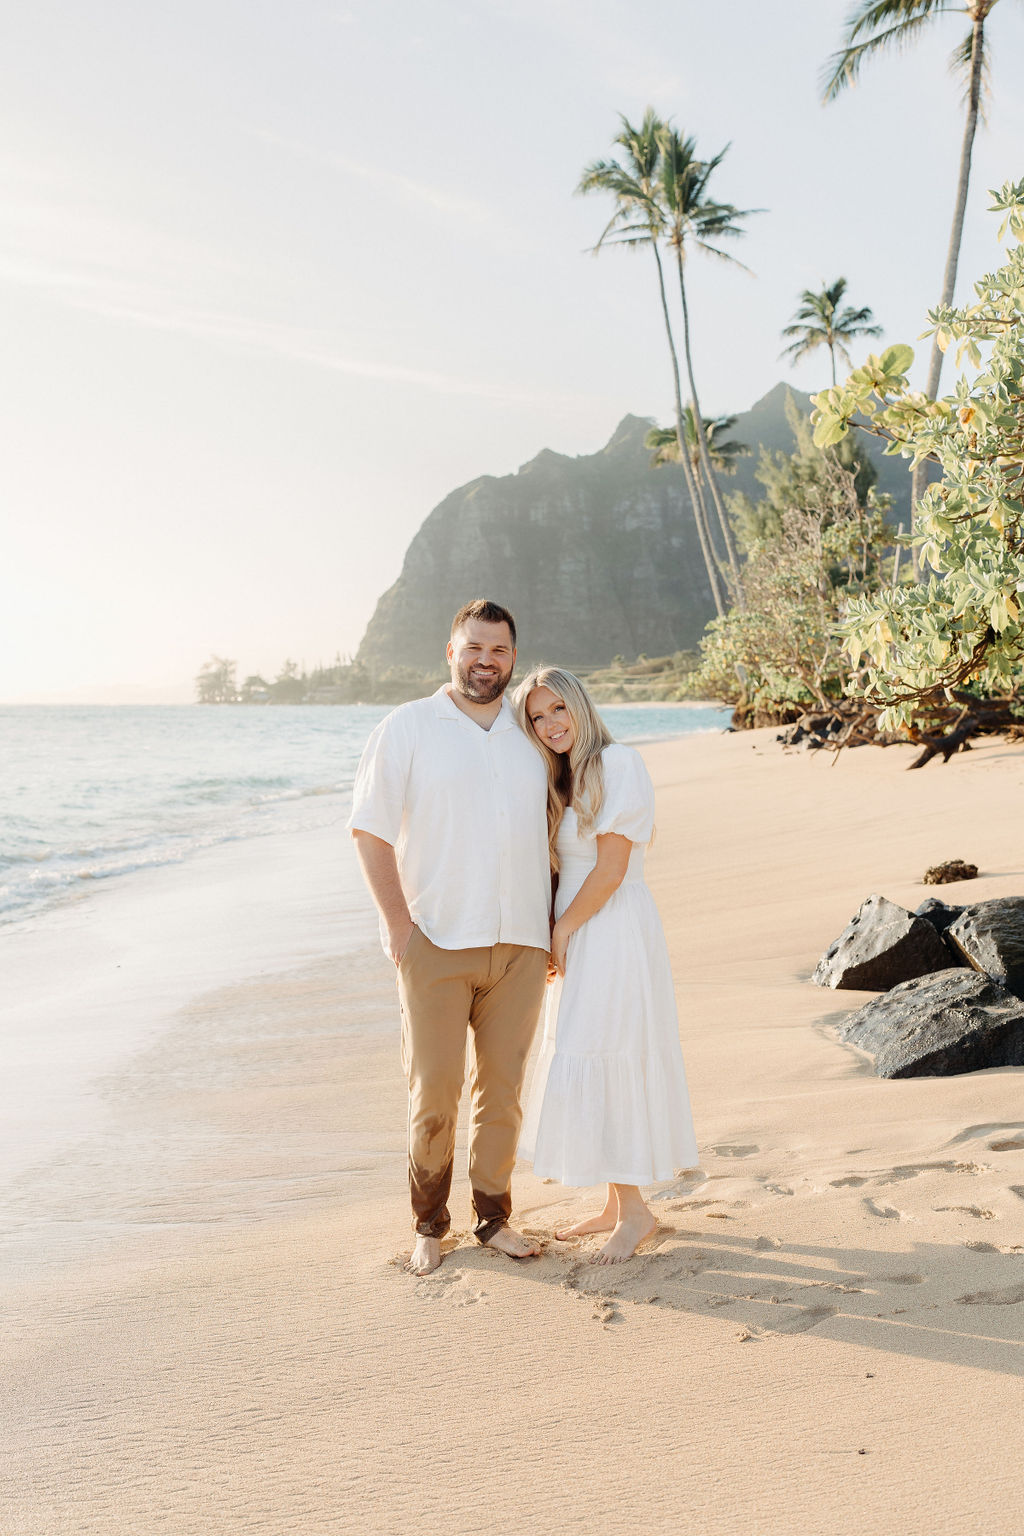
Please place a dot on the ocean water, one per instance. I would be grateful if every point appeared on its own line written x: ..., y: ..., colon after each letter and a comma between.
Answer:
x: 95, y: 792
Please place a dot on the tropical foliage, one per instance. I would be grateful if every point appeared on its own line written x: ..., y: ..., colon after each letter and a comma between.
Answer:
x: 818, y: 535
x: 879, y: 26
x: 960, y: 628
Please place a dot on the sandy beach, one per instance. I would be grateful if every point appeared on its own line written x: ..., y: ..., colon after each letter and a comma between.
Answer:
x: 206, y: 1330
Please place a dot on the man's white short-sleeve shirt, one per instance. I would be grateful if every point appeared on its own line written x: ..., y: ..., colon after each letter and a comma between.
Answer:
x: 466, y: 812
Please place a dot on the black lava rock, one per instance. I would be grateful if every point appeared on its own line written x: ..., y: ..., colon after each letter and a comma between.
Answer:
x: 939, y: 913
x: 990, y: 936
x: 952, y: 1021
x: 882, y: 945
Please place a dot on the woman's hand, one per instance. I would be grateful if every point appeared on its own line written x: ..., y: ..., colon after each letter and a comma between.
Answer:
x: 560, y: 937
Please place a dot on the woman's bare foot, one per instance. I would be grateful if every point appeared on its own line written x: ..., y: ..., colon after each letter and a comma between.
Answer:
x: 604, y: 1222
x: 630, y: 1232
x: 513, y: 1243
x: 425, y: 1257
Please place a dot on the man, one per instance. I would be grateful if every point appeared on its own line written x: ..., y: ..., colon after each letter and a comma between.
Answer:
x: 449, y: 821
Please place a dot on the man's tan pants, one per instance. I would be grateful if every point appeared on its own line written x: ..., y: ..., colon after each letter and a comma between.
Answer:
x: 497, y: 993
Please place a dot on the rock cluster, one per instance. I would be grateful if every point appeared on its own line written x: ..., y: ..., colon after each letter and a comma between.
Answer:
x: 953, y: 979
x: 950, y: 1021
x: 881, y: 945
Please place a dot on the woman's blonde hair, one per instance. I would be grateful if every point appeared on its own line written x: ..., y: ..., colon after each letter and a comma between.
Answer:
x: 575, y: 777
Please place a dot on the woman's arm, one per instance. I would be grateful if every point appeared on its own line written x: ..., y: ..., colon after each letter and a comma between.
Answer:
x: 603, y: 881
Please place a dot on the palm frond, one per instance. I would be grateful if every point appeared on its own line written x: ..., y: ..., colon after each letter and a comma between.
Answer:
x: 732, y: 261
x: 809, y: 342
x: 856, y: 322
x: 875, y: 13
x: 843, y: 68
x: 641, y: 144
x: 960, y: 65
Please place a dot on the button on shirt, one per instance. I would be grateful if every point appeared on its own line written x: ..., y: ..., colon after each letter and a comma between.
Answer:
x: 466, y: 812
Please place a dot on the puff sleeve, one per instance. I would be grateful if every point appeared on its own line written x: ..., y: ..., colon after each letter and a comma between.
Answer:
x: 628, y: 804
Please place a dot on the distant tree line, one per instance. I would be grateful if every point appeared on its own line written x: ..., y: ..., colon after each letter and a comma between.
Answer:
x: 344, y: 682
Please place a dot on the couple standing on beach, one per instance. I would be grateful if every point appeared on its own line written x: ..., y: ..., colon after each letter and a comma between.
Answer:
x: 504, y: 848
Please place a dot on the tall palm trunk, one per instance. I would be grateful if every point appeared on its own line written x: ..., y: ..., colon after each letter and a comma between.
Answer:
x: 702, y: 443
x: 698, y: 481
x: 703, y: 532
x: 931, y: 387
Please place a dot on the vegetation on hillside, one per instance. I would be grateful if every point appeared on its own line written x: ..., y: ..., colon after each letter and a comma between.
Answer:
x: 657, y: 679
x: 818, y: 535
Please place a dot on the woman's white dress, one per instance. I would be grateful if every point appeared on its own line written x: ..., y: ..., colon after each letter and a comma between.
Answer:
x: 608, y: 1101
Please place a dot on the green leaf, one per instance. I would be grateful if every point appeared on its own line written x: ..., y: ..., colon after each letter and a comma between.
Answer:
x: 896, y: 360
x: 829, y: 431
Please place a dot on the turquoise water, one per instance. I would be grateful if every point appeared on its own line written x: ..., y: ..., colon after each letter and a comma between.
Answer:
x: 91, y: 792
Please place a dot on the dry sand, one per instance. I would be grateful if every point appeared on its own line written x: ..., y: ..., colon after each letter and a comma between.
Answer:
x: 206, y: 1332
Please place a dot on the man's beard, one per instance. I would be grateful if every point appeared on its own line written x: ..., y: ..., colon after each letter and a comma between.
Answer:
x: 481, y: 690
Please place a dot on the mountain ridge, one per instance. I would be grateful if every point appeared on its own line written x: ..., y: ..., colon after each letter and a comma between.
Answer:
x: 597, y: 555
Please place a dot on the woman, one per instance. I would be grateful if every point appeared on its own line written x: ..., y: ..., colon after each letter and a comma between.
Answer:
x: 608, y: 1103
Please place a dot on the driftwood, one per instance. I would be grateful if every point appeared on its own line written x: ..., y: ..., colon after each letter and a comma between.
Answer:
x: 941, y: 730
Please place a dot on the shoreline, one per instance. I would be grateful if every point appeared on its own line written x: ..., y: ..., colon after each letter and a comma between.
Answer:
x: 827, y: 1328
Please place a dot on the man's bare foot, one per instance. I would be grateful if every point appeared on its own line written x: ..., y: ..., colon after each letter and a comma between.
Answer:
x: 604, y: 1222
x: 629, y: 1233
x: 513, y: 1243
x: 425, y: 1257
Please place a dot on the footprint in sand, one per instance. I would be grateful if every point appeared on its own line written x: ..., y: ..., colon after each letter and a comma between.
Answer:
x: 888, y: 1212
x: 914, y: 1170
x: 1010, y: 1144
x: 910, y: 1278
x: 763, y: 1243
x: 970, y: 1210
x: 1007, y: 1296
x: 852, y: 1181
x: 1018, y: 1190
x: 452, y: 1285
x: 727, y: 1150
x: 976, y: 1132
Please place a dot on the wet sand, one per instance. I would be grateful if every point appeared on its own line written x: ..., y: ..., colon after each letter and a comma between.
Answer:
x: 206, y: 1330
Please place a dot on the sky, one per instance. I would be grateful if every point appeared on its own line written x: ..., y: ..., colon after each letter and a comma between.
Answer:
x: 276, y: 277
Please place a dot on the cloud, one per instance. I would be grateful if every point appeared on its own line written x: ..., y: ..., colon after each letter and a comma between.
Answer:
x: 103, y: 264
x: 379, y: 176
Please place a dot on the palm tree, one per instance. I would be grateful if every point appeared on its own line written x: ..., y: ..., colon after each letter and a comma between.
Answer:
x: 693, y: 220
x: 878, y: 25
x: 638, y: 221
x: 819, y: 322
x: 722, y: 451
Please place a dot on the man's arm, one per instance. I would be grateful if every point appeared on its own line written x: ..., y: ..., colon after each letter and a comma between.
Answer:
x: 380, y: 871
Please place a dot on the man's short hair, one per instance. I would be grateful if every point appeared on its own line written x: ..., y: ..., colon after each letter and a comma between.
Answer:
x: 490, y: 613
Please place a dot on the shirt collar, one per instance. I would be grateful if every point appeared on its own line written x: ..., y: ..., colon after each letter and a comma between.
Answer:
x: 505, y: 720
